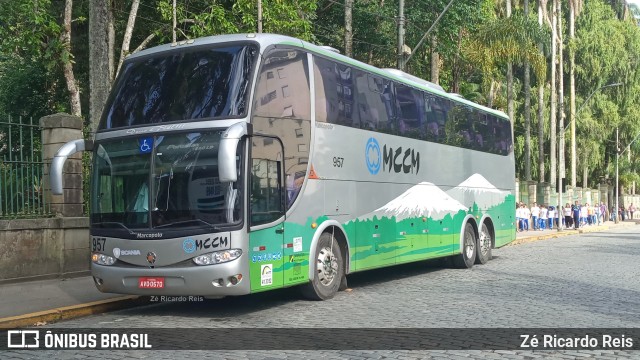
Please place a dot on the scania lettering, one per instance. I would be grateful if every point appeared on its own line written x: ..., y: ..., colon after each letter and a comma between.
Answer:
x: 242, y: 163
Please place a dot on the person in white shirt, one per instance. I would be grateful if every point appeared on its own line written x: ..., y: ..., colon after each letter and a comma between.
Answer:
x: 535, y: 214
x: 551, y: 214
x: 543, y: 217
x: 568, y: 221
x: 583, y: 215
x: 527, y: 214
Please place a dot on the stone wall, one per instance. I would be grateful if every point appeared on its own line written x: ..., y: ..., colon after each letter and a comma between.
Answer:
x: 32, y: 249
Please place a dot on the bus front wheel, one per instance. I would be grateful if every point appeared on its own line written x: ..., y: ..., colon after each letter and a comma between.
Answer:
x: 469, y: 249
x: 329, y: 270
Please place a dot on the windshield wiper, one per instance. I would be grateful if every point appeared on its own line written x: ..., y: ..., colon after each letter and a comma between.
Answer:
x: 213, y: 227
x: 115, y: 223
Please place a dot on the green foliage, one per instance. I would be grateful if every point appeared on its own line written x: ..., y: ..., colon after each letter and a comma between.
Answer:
x: 507, y: 40
x: 224, y: 17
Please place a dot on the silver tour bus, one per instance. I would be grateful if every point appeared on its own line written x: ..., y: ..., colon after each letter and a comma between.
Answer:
x: 235, y: 164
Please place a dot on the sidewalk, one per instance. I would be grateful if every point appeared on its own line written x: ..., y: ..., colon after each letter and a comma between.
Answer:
x: 533, y: 235
x: 38, y: 302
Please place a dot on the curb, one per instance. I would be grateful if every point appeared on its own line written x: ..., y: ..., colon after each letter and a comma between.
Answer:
x: 568, y: 233
x: 72, y: 312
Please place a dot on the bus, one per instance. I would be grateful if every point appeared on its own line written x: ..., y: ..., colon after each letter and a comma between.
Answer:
x: 236, y: 164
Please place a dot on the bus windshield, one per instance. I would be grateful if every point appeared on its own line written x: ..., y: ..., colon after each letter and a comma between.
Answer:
x: 167, y: 181
x: 182, y: 85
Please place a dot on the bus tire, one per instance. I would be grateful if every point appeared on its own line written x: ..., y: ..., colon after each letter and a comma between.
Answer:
x: 329, y: 270
x: 469, y: 246
x: 484, y: 245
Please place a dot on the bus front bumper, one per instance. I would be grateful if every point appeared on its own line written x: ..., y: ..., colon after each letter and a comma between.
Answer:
x: 212, y: 280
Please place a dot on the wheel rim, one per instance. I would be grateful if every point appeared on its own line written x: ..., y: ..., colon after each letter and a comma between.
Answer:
x: 485, y: 240
x: 327, y: 266
x: 469, y: 244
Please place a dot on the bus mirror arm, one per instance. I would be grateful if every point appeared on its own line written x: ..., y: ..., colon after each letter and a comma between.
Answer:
x: 230, y: 138
x: 57, y: 164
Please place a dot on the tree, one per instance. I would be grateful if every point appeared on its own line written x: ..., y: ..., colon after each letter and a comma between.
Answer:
x: 574, y: 10
x: 527, y: 110
x: 67, y: 62
x: 561, y: 116
x: 100, y: 58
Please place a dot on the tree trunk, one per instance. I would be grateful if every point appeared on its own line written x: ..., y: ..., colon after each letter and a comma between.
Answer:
x: 99, y: 67
x: 572, y: 89
x: 112, y: 45
x: 561, y: 152
x: 527, y: 111
x: 510, y: 105
x: 541, y: 83
x: 67, y: 64
x: 585, y: 168
x: 173, y: 29
x: 435, y: 61
x: 126, y: 40
x: 490, y: 97
x: 348, y: 29
x: 554, y: 95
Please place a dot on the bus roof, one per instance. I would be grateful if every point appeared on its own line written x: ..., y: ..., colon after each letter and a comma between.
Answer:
x: 272, y: 39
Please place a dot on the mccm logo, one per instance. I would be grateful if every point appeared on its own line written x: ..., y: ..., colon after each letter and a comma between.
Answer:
x: 372, y: 156
x: 189, y: 245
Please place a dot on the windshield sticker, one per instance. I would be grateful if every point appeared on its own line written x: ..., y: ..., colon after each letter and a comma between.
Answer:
x: 146, y: 144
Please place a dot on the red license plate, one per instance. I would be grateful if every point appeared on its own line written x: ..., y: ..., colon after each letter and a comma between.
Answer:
x: 150, y: 283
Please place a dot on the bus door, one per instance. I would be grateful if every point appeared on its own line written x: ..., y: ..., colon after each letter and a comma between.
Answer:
x: 266, y: 213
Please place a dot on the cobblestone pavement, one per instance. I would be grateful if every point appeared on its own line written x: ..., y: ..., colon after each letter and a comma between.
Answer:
x: 587, y: 280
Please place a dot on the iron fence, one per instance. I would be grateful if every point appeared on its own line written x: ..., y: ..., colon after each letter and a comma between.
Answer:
x: 22, y: 170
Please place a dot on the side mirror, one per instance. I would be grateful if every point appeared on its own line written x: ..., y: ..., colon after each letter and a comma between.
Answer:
x: 227, y: 151
x: 68, y: 149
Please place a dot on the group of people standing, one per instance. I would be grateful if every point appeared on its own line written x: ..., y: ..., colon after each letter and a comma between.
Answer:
x: 573, y: 216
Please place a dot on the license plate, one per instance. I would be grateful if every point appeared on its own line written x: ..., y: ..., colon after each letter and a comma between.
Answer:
x: 150, y: 283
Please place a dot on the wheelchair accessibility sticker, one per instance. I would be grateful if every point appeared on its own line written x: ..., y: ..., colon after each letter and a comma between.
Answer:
x: 146, y: 144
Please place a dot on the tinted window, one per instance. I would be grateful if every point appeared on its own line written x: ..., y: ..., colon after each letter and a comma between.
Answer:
x: 181, y: 85
x: 266, y: 181
x: 282, y: 108
x: 335, y: 89
x: 411, y: 112
x: 348, y: 96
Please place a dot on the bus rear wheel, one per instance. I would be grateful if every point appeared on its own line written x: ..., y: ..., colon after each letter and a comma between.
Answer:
x: 484, y: 245
x: 468, y: 256
x: 329, y: 270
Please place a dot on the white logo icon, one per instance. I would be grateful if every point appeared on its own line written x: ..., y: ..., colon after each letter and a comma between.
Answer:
x: 24, y: 336
x: 116, y: 252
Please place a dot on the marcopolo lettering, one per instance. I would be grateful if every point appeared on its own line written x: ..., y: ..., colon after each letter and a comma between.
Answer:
x: 148, y: 236
x: 217, y: 242
x: 400, y: 161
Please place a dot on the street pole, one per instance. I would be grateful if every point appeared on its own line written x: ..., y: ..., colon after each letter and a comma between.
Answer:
x: 617, y: 179
x: 560, y: 182
x: 401, y: 35
x: 259, y: 16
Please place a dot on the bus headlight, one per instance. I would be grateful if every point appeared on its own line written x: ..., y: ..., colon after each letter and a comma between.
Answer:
x: 217, y: 257
x: 102, y: 259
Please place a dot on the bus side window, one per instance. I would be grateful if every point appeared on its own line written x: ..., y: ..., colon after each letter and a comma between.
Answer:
x: 335, y: 93
x: 266, y: 183
x: 410, y: 109
x: 379, y: 99
x: 282, y: 108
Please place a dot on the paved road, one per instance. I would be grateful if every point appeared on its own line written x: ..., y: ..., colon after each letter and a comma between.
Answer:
x: 587, y: 280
